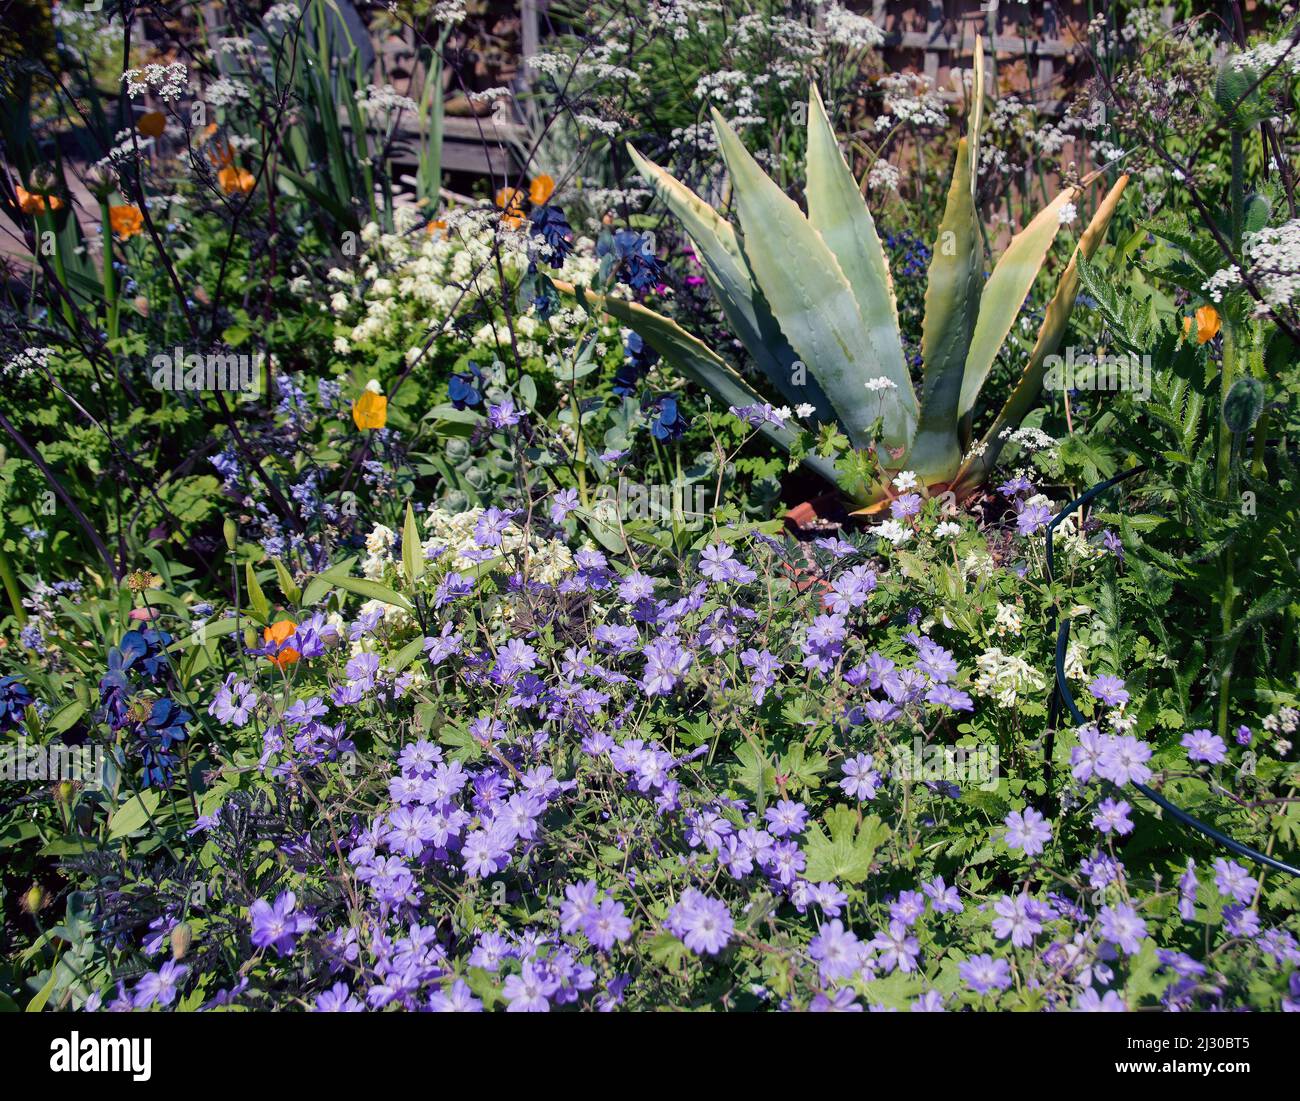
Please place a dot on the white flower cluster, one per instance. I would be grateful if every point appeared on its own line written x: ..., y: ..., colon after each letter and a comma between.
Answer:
x: 1269, y: 55
x: 883, y: 176
x: 1008, y: 620
x: 1031, y: 439
x: 1005, y: 677
x: 380, y: 101
x: 847, y: 28
x: 449, y: 12
x: 224, y: 92
x: 1221, y: 281
x: 411, y: 281
x: 910, y: 99
x: 168, y: 81
x: 26, y: 363
x: 1286, y: 721
x: 1274, y: 256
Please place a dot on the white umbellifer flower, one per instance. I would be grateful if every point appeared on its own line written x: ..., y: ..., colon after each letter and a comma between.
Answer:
x: 947, y: 530
x: 223, y: 92
x: 892, y: 530
x: 1274, y: 255
x: 904, y: 480
x: 169, y: 81
x: 1067, y: 214
x: 1221, y: 280
x: 847, y: 28
x: 881, y: 383
x: 804, y: 411
x: 449, y: 12
x: 376, y: 100
x: 883, y: 176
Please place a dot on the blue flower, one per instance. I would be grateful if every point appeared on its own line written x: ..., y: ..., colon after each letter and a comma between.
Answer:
x: 669, y: 424
x: 15, y: 699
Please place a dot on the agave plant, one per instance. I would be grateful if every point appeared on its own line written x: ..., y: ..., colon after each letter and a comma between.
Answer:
x: 811, y: 298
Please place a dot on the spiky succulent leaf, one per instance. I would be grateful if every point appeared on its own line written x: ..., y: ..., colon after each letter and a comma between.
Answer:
x: 1005, y: 292
x: 952, y: 297
x: 733, y: 285
x: 810, y: 297
x: 977, y: 467
x: 837, y: 211
x: 693, y: 359
x: 975, y: 120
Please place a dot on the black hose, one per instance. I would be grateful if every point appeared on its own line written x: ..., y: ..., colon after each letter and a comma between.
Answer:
x: 1061, y: 695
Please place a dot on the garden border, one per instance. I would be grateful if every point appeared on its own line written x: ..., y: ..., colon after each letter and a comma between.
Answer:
x: 1061, y: 694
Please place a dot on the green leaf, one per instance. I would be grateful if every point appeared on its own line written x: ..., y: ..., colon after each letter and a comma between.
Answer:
x: 847, y: 852
x: 412, y: 552
x: 812, y: 299
x: 693, y: 359
x: 373, y: 590
x: 1004, y: 294
x: 288, y: 586
x: 1056, y: 318
x: 38, y: 1002
x: 320, y: 585
x: 952, y: 296
x: 257, y: 602
x: 407, y: 654
x: 838, y: 212
x: 65, y: 717
x: 132, y: 815
x: 732, y: 283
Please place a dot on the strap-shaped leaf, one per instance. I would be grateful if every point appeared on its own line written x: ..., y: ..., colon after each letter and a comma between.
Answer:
x: 979, y: 465
x: 1004, y: 294
x: 838, y: 212
x: 733, y: 285
x: 810, y: 297
x: 952, y: 297
x: 694, y: 359
x: 975, y: 120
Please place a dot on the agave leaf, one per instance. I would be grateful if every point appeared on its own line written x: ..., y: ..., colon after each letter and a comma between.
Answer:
x: 1004, y: 294
x: 811, y: 298
x: 733, y: 285
x: 977, y: 467
x: 975, y: 121
x: 837, y: 211
x: 694, y: 359
x: 952, y: 297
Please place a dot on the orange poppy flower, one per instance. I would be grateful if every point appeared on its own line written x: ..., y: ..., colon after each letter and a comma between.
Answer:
x: 436, y: 226
x: 234, y: 179
x: 280, y: 633
x: 126, y: 221
x: 152, y: 124
x: 511, y: 201
x: 370, y: 410
x: 221, y: 155
x: 30, y: 203
x: 541, y: 189
x: 1208, y: 324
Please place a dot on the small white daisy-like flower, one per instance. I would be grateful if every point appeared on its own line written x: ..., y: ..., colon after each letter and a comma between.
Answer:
x: 892, y: 530
x: 947, y: 530
x: 804, y: 411
x: 881, y: 383
x: 904, y: 480
x: 1067, y: 214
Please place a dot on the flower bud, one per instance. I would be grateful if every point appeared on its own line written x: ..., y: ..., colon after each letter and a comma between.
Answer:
x: 182, y: 938
x: 33, y: 900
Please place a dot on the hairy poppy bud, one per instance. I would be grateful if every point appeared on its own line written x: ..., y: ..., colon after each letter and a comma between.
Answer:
x: 182, y: 938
